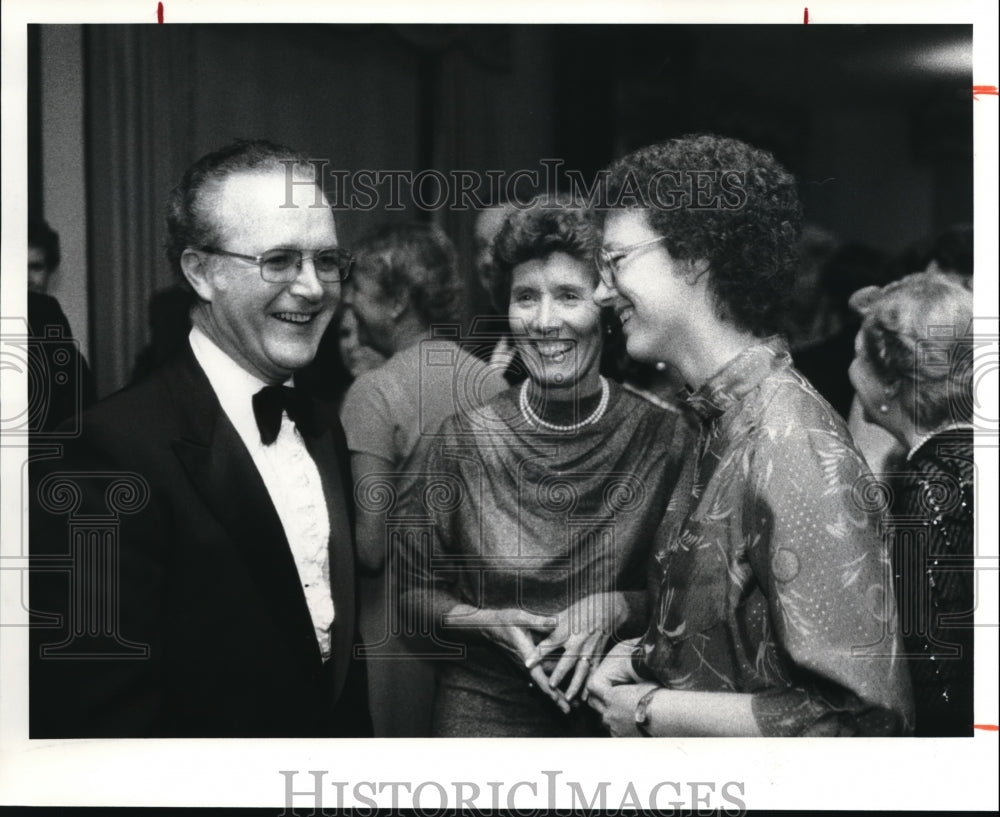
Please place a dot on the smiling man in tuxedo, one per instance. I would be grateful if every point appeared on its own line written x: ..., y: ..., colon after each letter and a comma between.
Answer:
x: 221, y: 603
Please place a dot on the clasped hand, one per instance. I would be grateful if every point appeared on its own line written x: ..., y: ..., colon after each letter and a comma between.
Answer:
x: 581, y: 631
x: 614, y: 690
x: 575, y: 644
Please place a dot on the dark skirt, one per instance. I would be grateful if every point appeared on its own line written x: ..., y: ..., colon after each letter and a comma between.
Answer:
x: 487, y: 696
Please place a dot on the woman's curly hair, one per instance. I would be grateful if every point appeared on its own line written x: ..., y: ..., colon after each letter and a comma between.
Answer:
x: 722, y: 201
x: 535, y: 233
x: 419, y: 260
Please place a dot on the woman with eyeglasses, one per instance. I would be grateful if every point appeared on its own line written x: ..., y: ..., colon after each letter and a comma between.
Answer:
x: 774, y: 613
x: 530, y: 521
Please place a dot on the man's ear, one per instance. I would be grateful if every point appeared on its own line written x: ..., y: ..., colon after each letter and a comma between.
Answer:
x: 197, y: 273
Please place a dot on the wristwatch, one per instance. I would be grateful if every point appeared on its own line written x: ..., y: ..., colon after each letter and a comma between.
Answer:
x: 642, y: 712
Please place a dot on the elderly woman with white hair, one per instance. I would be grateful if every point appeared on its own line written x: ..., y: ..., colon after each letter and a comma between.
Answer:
x: 912, y: 372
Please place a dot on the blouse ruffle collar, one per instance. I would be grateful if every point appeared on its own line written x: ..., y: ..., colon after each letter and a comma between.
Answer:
x: 732, y: 382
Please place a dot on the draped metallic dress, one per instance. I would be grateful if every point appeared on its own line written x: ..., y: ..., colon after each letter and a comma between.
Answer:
x: 500, y: 513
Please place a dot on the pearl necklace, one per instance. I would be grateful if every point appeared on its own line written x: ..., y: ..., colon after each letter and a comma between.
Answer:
x: 534, y: 419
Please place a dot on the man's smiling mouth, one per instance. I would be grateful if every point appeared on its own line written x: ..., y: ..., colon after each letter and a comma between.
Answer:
x: 295, y: 317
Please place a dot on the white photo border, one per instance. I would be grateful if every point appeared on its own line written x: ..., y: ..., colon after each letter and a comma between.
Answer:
x: 938, y: 775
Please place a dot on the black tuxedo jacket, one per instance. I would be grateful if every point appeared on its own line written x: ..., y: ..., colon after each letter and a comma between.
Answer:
x: 166, y: 601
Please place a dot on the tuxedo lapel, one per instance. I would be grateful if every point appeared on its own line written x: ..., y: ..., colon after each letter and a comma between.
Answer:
x: 221, y: 468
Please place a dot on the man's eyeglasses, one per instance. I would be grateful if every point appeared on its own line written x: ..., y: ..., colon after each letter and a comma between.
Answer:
x: 608, y: 261
x: 282, y: 266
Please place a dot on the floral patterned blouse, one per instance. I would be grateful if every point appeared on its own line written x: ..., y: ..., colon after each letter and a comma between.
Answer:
x: 774, y: 577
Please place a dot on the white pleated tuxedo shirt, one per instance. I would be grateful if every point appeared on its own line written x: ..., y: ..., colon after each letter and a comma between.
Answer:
x: 289, y: 474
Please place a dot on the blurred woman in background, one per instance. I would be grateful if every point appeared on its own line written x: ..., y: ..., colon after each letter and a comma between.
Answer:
x: 356, y: 356
x: 912, y: 372
x: 404, y: 284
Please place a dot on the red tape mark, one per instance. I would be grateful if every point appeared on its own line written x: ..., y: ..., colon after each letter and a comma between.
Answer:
x: 159, y: 12
x: 805, y: 16
x: 986, y: 727
x: 983, y: 89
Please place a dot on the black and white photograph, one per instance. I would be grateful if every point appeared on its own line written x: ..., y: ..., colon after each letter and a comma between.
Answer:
x: 406, y: 407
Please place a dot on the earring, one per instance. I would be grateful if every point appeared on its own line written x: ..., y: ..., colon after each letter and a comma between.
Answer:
x: 884, y: 407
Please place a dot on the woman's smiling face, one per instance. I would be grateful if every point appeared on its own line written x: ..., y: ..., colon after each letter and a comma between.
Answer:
x: 556, y: 324
x: 649, y: 293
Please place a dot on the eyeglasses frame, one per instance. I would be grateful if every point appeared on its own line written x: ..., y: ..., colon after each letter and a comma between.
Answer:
x: 608, y: 261
x: 259, y: 261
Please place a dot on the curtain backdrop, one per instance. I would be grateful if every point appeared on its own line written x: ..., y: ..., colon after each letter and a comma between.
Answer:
x: 361, y: 97
x: 137, y: 110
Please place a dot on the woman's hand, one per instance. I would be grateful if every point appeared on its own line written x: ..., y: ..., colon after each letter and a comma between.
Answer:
x: 614, y: 690
x: 617, y: 704
x: 511, y: 629
x: 582, y: 631
x: 614, y: 670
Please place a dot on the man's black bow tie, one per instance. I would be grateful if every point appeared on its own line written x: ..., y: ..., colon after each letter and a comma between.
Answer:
x: 270, y: 401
